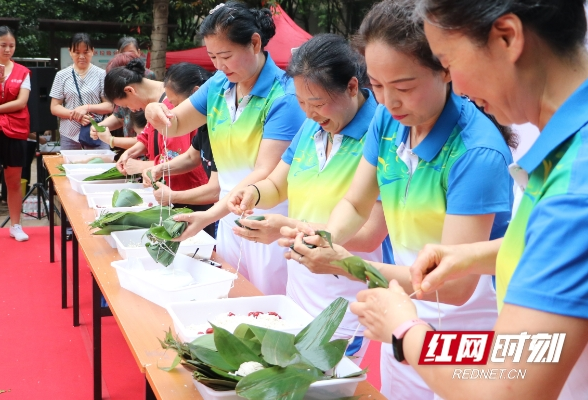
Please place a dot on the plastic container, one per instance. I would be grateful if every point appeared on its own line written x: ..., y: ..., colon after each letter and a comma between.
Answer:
x: 127, y: 241
x: 105, y: 189
x: 200, y: 312
x: 110, y: 240
x: 103, y: 203
x: 88, y: 169
x: 322, y: 390
x: 76, y: 156
x: 77, y: 180
x: 136, y: 275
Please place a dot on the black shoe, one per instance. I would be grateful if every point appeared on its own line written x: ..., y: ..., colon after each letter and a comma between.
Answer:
x: 68, y: 234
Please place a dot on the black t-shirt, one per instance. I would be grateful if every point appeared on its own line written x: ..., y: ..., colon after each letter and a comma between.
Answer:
x: 201, y: 143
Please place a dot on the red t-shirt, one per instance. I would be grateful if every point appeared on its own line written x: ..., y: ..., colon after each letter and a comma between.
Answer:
x: 175, y: 146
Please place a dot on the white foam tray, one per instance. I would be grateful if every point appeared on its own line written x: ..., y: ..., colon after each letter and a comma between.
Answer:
x: 202, y: 241
x: 200, y: 312
x: 322, y: 390
x: 103, y: 204
x: 209, y: 282
x: 73, y: 156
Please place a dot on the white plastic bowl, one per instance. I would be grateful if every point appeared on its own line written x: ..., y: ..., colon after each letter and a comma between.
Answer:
x: 103, y: 203
x: 209, y: 282
x: 322, y: 390
x: 126, y: 242
x: 200, y: 312
x: 74, y: 156
x: 108, y: 189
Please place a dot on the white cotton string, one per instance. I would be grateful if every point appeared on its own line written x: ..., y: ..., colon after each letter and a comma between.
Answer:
x: 438, y: 306
x: 240, y: 254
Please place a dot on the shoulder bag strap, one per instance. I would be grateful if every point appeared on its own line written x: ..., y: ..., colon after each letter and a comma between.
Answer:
x: 77, y: 87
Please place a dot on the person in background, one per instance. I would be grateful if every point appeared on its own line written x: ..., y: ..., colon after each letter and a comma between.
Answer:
x: 522, y: 61
x: 315, y: 173
x: 181, y: 80
x: 252, y: 115
x: 127, y: 87
x: 65, y: 102
x: 15, y: 87
x: 128, y: 44
x: 121, y: 116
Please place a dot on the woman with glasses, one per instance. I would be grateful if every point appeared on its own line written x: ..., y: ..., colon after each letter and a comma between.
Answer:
x: 78, y: 93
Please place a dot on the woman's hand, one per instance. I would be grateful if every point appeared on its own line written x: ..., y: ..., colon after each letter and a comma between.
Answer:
x: 120, y: 164
x: 317, y: 260
x: 381, y: 311
x: 156, y: 173
x: 134, y: 167
x: 103, y: 136
x: 266, y: 231
x: 164, y: 195
x: 196, y: 222
x: 77, y: 113
x: 437, y: 264
x: 242, y: 200
x: 85, y: 120
x: 158, y: 115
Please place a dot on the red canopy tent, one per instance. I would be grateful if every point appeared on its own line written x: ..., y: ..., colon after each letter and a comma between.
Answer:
x: 288, y: 35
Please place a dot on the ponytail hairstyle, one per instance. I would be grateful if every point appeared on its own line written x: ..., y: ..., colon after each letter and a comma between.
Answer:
x: 560, y: 23
x: 182, y: 77
x: 5, y: 30
x: 238, y: 23
x: 328, y: 61
x: 120, y: 77
x: 392, y: 22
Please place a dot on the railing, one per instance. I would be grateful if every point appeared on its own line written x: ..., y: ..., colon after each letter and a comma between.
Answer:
x: 37, y: 61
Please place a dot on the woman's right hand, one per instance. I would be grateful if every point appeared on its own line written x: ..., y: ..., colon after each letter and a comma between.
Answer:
x: 156, y: 173
x: 242, y: 200
x: 78, y: 113
x: 120, y: 164
x: 158, y: 115
x: 437, y: 264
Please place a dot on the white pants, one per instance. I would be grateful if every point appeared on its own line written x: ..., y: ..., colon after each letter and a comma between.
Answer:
x: 263, y: 265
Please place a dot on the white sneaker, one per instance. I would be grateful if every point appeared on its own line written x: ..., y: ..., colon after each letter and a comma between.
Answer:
x: 17, y: 233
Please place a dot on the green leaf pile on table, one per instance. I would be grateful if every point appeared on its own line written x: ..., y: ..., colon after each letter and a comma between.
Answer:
x: 112, y: 173
x: 128, y: 220
x: 261, y: 363
x: 160, y: 246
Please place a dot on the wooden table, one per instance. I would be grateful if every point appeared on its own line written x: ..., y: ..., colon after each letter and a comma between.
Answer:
x: 140, y: 320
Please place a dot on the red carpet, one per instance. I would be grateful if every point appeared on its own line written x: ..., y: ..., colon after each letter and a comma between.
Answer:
x: 43, y: 355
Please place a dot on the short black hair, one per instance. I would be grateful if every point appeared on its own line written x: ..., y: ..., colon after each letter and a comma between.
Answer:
x: 138, y: 119
x: 5, y: 30
x: 118, y: 78
x: 329, y: 61
x: 182, y: 77
x: 78, y: 38
x: 238, y: 23
x: 560, y: 23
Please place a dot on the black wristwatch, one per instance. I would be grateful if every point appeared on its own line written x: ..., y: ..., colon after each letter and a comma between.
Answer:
x: 398, y: 336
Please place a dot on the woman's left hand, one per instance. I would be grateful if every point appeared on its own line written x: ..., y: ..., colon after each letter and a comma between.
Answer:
x: 266, y: 231
x: 317, y: 260
x: 78, y: 113
x: 163, y: 194
x: 381, y: 311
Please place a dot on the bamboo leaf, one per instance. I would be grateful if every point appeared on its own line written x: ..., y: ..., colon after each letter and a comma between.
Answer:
x: 355, y: 374
x: 232, y: 349
x: 112, y: 173
x: 278, y: 348
x: 353, y: 265
x: 210, y: 357
x: 206, y: 341
x: 326, y: 356
x: 325, y: 235
x: 290, y: 383
x: 251, y: 217
x: 96, y: 126
x: 322, y: 328
x: 174, y: 364
x: 126, y: 198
